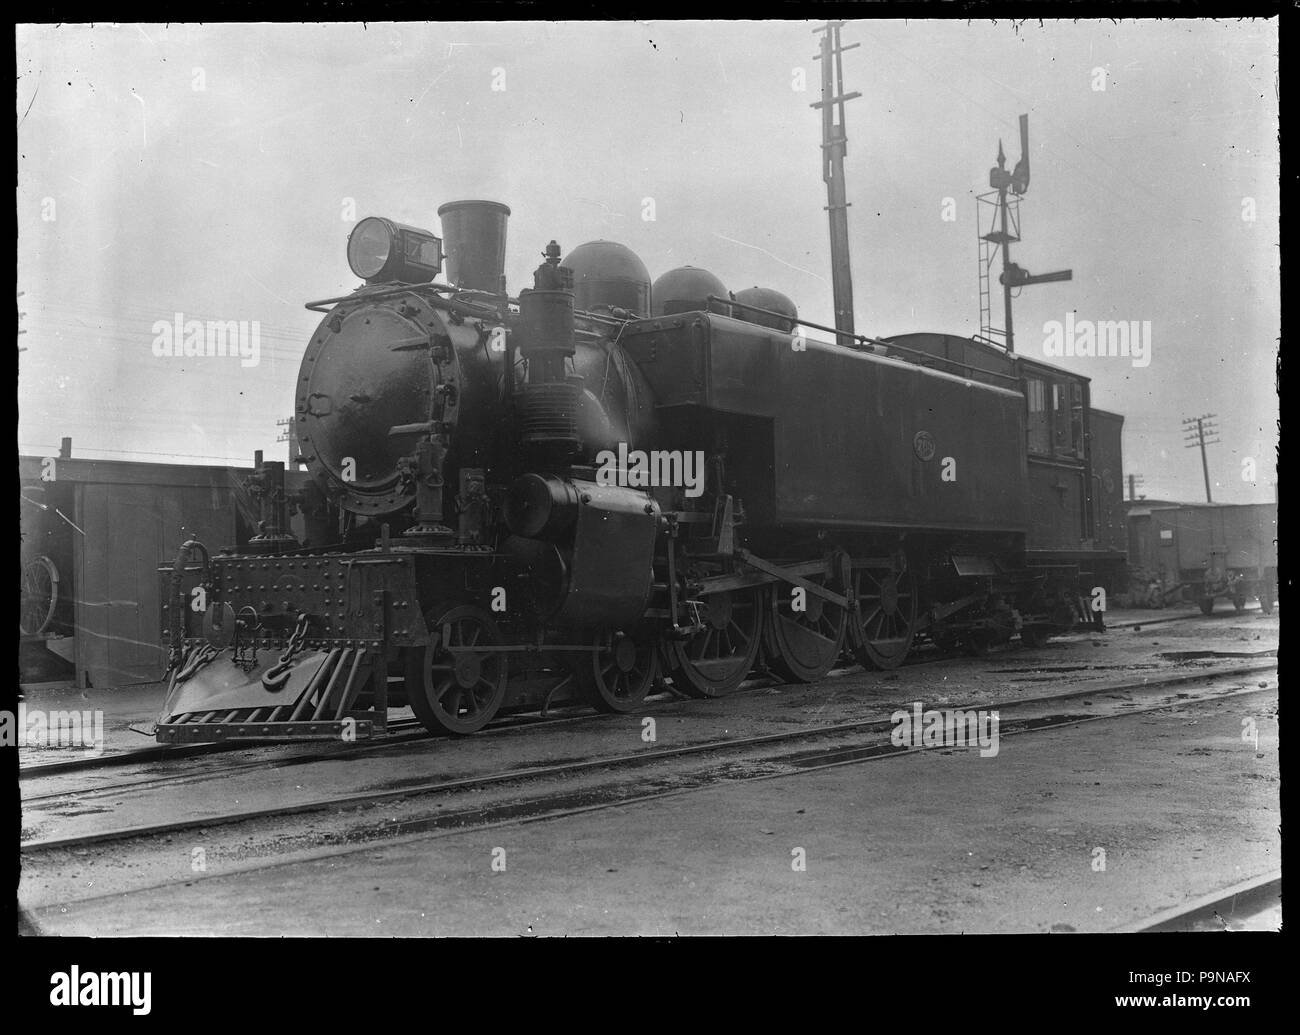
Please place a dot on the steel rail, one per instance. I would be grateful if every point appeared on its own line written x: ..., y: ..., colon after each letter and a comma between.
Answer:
x: 452, y: 823
x: 611, y: 761
x: 1248, y: 898
x: 160, y: 752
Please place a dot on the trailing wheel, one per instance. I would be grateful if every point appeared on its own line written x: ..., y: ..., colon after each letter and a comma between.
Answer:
x: 803, y: 645
x: 454, y: 684
x: 886, y: 621
x: 617, y: 677
x: 716, y: 660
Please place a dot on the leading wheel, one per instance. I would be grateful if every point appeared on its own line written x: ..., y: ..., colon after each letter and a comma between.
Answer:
x: 617, y: 677
x: 1207, y: 605
x: 886, y: 620
x: 803, y: 644
x: 716, y: 660
x: 1239, y: 602
x: 454, y: 684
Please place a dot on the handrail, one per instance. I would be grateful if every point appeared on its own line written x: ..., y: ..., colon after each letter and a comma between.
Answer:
x: 862, y: 339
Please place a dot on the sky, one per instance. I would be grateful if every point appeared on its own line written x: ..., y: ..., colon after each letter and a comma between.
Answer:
x: 216, y: 170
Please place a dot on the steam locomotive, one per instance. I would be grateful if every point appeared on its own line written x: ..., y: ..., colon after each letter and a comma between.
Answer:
x: 603, y: 483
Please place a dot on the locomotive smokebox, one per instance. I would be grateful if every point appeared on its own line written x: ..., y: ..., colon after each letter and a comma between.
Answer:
x: 474, y: 239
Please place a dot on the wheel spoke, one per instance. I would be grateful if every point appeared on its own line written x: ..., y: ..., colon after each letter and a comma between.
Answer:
x: 452, y: 706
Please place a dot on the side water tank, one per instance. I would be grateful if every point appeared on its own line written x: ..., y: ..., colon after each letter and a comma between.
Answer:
x: 685, y: 290
x: 608, y: 274
x: 766, y: 298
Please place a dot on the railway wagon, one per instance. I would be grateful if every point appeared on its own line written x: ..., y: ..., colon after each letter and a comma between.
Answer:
x: 1218, y: 550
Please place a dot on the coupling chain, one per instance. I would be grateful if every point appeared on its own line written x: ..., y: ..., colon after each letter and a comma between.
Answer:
x: 278, y: 674
x: 198, y: 657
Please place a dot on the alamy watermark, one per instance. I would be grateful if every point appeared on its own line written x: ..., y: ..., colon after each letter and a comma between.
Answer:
x: 125, y: 988
x: 946, y: 729
x: 641, y: 469
x: 182, y: 337
x: 38, y: 728
x: 1130, y: 339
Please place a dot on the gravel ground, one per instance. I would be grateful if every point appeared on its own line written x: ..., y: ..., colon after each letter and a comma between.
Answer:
x: 1174, y: 804
x: 919, y: 802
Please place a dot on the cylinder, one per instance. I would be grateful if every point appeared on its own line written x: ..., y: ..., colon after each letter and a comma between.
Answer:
x: 540, y: 506
x: 474, y: 241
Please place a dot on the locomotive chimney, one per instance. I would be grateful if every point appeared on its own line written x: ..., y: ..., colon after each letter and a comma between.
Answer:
x: 474, y: 241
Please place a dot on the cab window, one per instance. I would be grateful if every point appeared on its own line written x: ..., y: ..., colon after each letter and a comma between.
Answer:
x: 1040, y: 420
x: 1055, y: 417
x: 1061, y: 419
x: 1076, y: 419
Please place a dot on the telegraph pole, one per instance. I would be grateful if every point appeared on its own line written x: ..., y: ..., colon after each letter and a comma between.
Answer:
x: 834, y: 147
x: 1197, y: 428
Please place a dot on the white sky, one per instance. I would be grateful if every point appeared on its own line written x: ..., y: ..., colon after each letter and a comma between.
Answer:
x: 226, y: 202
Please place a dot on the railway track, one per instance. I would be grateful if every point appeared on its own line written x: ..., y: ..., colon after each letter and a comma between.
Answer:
x: 409, y: 732
x: 402, y: 731
x: 118, y: 879
x: 1194, y: 615
x: 809, y: 756
x: 1254, y: 904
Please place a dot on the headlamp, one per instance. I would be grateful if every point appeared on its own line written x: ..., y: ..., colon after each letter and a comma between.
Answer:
x: 380, y: 250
